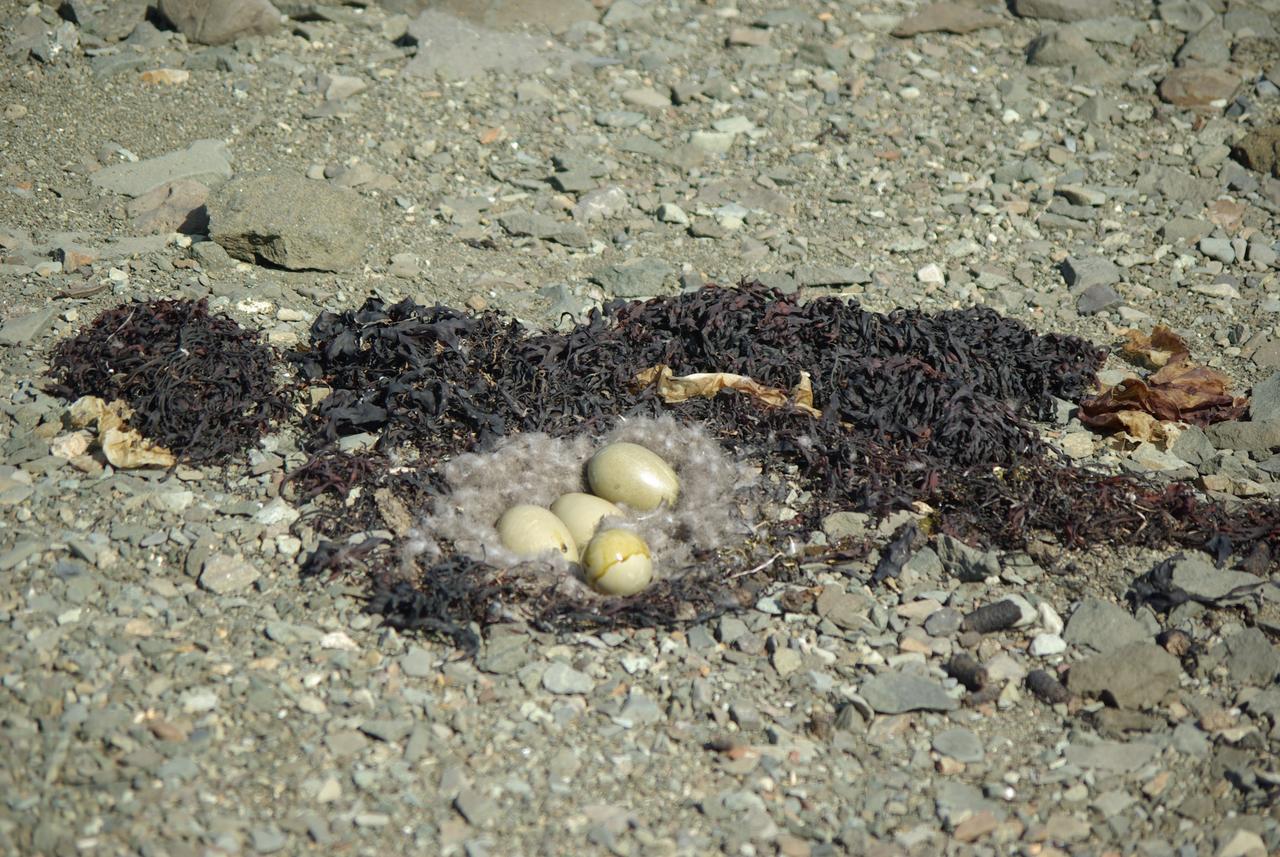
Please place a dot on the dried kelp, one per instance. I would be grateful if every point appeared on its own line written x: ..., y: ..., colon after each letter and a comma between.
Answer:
x: 197, y: 383
x: 906, y: 406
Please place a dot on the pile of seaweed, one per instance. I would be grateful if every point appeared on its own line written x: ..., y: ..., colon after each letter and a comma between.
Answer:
x: 908, y: 407
x: 197, y: 383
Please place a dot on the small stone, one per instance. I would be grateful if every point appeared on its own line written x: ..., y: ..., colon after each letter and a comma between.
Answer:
x: 897, y: 692
x: 1097, y: 299
x: 1199, y: 87
x: 1064, y: 10
x: 966, y: 563
x: 222, y: 574
x: 1044, y: 645
x: 477, y: 809
x: 946, y: 17
x: 669, y: 212
x: 1242, y: 843
x: 960, y: 744
x: 931, y: 274
x: 1218, y: 248
x: 1083, y: 272
x: 561, y: 678
x: 643, y: 277
x: 712, y: 142
x: 1251, y: 659
x: 1115, y: 756
x: 1187, y: 15
x: 1103, y: 626
x: 418, y: 663
x: 1061, y: 47
x: 786, y: 661
x: 943, y: 623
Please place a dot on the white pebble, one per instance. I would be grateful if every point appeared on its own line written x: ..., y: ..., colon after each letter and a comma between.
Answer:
x: 1045, y: 645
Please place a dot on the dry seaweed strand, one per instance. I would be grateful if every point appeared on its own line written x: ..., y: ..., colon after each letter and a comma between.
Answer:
x: 915, y: 406
x: 198, y: 383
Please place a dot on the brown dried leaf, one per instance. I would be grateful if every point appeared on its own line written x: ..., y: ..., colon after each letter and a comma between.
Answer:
x: 1179, y: 392
x: 675, y: 389
x: 122, y: 446
x: 1155, y: 350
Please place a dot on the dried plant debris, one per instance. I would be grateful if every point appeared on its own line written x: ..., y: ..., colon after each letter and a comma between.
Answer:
x: 197, y: 383
x: 1179, y: 391
x: 885, y: 411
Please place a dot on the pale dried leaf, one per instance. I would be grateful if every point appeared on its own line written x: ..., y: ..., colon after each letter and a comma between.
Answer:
x: 681, y: 388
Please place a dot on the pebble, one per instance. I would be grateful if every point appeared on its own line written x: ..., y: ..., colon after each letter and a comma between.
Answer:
x: 564, y: 679
x: 223, y: 574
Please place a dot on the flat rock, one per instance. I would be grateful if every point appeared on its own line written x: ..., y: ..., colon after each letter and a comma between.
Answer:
x: 25, y: 329
x: 1134, y: 675
x: 553, y: 15
x: 960, y: 744
x: 222, y: 574
x: 1120, y: 757
x: 290, y: 222
x: 895, y: 692
x: 216, y: 23
x: 1097, y: 298
x: 1198, y: 577
x: 1245, y: 435
x: 968, y: 564
x: 957, y: 18
x: 564, y: 679
x: 207, y: 161
x: 1251, y: 658
x: 1198, y: 87
x: 1260, y: 150
x: 1102, y: 626
x: 1083, y: 272
x: 1064, y: 10
x: 544, y: 227
x: 1264, y: 399
x: 1186, y: 15
x: 1061, y: 47
x: 637, y: 278
x: 456, y: 49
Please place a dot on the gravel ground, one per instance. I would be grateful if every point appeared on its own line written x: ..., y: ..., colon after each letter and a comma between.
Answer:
x: 171, y: 685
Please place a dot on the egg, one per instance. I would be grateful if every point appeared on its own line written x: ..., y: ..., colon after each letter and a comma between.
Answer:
x: 529, y: 531
x: 582, y: 514
x: 631, y: 474
x: 617, y: 562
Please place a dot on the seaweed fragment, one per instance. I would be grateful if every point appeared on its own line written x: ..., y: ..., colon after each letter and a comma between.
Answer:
x: 197, y: 383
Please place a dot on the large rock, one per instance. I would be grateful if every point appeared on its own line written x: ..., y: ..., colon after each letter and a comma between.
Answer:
x: 1064, y: 10
x: 554, y: 15
x: 288, y: 221
x: 1199, y: 87
x: 216, y: 22
x: 1260, y: 150
x: 1133, y: 676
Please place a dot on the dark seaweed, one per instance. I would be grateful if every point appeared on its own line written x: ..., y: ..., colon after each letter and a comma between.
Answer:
x: 198, y: 383
x: 915, y: 407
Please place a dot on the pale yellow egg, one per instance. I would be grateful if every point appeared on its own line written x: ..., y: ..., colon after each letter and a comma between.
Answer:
x: 530, y: 531
x: 633, y: 475
x: 617, y: 562
x: 582, y: 514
